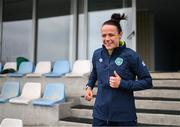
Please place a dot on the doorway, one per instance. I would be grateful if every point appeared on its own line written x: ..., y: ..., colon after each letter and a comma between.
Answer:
x: 158, y: 34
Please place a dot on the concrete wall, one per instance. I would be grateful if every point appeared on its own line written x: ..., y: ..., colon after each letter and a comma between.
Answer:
x: 74, y: 87
x: 42, y: 115
x: 36, y: 115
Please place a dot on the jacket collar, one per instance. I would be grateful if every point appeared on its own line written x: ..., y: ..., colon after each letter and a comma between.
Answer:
x: 116, y: 50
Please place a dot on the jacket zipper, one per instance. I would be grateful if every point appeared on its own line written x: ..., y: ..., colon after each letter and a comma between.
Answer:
x: 110, y: 56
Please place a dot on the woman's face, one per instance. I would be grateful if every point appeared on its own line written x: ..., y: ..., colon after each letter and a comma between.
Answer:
x: 110, y: 36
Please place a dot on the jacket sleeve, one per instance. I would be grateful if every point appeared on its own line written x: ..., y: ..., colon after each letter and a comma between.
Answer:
x: 144, y: 80
x: 93, y: 76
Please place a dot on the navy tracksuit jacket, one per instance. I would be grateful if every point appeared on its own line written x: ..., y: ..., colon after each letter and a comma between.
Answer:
x: 117, y: 104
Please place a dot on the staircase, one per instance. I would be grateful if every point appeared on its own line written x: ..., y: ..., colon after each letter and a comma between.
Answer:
x: 159, y: 106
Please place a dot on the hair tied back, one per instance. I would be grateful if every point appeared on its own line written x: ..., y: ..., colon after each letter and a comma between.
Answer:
x: 118, y: 17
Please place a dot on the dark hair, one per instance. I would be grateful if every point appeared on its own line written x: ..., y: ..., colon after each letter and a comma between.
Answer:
x: 115, y: 20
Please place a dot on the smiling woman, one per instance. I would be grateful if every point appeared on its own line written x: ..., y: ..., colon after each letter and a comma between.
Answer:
x: 115, y: 67
x: 101, y: 10
x: 112, y: 32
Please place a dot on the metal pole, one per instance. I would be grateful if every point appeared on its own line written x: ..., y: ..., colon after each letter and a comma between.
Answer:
x: 35, y: 29
x: 1, y: 16
x: 73, y: 32
x: 86, y: 28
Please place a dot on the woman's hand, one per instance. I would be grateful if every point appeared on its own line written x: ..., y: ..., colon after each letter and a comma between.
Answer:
x: 88, y: 94
x: 115, y: 80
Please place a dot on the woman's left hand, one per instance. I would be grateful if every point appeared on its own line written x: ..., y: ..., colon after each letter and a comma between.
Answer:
x: 115, y: 80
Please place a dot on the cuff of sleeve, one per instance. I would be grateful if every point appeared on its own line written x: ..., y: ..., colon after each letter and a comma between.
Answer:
x: 123, y: 84
x: 87, y: 86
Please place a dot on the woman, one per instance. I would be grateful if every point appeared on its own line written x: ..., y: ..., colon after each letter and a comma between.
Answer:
x: 116, y: 67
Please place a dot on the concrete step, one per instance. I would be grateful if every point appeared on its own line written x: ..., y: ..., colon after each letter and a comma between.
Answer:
x: 158, y: 93
x: 147, y: 116
x: 157, y: 98
x: 163, y: 92
x: 170, y: 75
x: 74, y: 121
x: 166, y: 83
x: 70, y: 121
x: 82, y: 113
x: 87, y: 110
x: 85, y: 102
x: 52, y: 125
x: 162, y: 119
x: 161, y: 105
x: 146, y: 104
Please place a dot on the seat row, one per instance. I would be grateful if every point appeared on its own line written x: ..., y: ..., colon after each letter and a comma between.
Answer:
x: 10, y: 122
x: 43, y: 68
x: 31, y: 92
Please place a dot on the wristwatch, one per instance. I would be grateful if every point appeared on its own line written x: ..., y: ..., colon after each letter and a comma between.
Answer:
x: 88, y: 87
